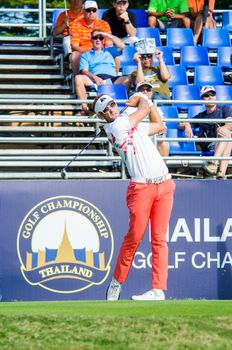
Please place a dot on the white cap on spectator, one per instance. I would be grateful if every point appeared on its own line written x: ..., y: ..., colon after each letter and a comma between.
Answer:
x: 90, y: 4
x: 142, y: 83
x: 205, y: 89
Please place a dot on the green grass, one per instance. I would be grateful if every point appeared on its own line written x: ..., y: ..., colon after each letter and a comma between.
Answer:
x: 93, y: 325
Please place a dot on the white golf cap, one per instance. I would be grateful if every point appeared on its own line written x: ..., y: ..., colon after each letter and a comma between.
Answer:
x: 102, y: 102
x: 90, y: 4
x: 205, y: 89
x: 143, y: 83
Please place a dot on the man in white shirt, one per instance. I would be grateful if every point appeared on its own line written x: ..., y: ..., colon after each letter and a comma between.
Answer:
x: 149, y: 195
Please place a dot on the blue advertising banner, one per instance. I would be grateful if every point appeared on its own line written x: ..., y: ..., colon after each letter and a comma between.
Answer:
x: 60, y: 240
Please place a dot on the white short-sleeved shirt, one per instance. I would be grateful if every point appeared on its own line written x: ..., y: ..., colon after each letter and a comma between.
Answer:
x: 136, y: 148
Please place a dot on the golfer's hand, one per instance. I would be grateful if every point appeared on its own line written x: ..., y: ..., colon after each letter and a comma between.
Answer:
x: 135, y: 99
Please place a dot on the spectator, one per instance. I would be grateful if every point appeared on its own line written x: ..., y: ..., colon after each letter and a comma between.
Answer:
x: 146, y: 89
x: 168, y: 14
x: 64, y: 21
x: 221, y: 149
x: 98, y: 64
x: 156, y: 75
x: 121, y: 21
x: 81, y: 32
x: 201, y: 15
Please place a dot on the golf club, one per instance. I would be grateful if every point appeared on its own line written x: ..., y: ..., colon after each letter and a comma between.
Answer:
x: 63, y: 171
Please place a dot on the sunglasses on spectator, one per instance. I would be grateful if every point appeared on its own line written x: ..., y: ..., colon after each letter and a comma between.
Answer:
x: 111, y: 104
x: 144, y: 89
x: 146, y: 56
x: 209, y: 94
x: 91, y: 10
x: 98, y: 37
x: 121, y: 2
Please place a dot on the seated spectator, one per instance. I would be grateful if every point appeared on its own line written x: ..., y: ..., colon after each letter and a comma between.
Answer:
x: 168, y: 14
x: 63, y: 22
x: 201, y: 15
x: 121, y: 21
x: 80, y: 32
x: 146, y: 89
x: 98, y: 64
x: 157, y: 76
x: 221, y: 149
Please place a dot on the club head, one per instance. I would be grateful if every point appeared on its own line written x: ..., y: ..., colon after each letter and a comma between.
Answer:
x: 64, y: 174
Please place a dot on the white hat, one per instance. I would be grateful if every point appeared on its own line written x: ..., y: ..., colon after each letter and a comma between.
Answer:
x: 102, y: 102
x: 90, y: 4
x: 143, y: 83
x: 205, y: 89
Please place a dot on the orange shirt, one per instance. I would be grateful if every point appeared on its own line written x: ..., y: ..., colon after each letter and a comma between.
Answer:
x: 196, y: 6
x: 72, y: 17
x: 81, y: 33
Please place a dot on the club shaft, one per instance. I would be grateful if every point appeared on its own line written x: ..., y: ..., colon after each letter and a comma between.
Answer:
x: 83, y: 149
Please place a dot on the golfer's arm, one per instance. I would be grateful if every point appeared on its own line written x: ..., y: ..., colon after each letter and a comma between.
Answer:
x: 141, y: 113
x: 156, y: 123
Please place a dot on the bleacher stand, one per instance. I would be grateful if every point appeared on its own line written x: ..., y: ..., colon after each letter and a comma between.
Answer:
x: 42, y: 114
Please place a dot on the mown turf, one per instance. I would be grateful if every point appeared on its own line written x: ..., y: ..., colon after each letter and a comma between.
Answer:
x: 119, y: 325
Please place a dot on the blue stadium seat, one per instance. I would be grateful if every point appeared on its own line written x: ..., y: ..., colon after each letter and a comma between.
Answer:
x: 178, y: 76
x: 227, y: 20
x: 179, y: 37
x: 185, y: 92
x: 208, y: 75
x: 167, y: 56
x: 100, y: 13
x: 55, y: 15
x: 191, y: 56
x: 224, y: 57
x: 116, y: 91
x: 141, y: 17
x: 223, y: 92
x: 170, y: 112
x: 128, y: 69
x: 214, y: 38
x: 148, y: 32
x: 194, y: 110
x: 126, y: 57
x: 178, y: 148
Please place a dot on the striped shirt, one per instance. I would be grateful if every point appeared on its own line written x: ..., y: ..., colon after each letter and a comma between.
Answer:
x: 72, y: 16
x: 81, y: 32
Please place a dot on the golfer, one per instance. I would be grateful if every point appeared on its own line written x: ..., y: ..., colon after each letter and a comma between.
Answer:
x: 149, y: 195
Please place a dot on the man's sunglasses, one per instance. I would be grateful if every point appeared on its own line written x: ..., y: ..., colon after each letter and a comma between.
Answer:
x: 146, y: 56
x: 98, y: 37
x: 143, y: 89
x: 209, y: 94
x: 111, y: 104
x: 91, y: 10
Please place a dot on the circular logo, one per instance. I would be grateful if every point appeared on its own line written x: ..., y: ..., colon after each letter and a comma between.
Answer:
x: 65, y: 244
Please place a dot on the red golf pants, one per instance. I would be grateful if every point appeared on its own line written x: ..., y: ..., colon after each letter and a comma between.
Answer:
x: 146, y: 202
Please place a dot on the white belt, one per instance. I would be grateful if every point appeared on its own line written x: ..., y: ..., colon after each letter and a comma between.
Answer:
x: 154, y: 180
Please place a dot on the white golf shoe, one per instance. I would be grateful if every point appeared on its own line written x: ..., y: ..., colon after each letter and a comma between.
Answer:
x: 153, y: 294
x: 114, y: 289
